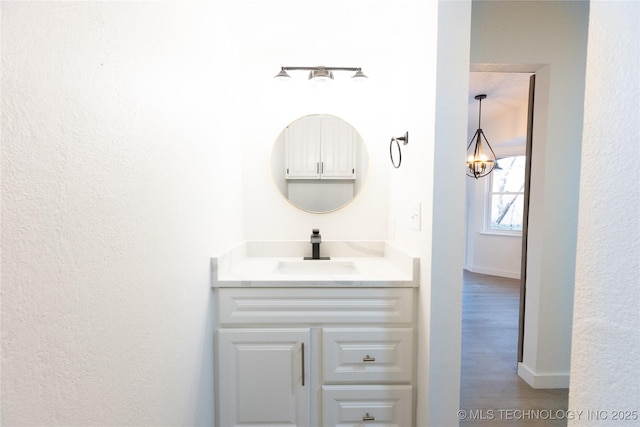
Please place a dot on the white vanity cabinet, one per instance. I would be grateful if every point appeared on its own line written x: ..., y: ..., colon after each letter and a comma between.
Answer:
x: 316, y: 356
x: 320, y: 148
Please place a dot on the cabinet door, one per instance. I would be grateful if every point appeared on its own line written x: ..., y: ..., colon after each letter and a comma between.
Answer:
x: 263, y: 377
x: 337, y: 149
x: 302, y: 142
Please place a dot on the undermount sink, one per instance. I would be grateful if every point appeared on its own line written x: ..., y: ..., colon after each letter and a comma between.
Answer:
x: 316, y: 267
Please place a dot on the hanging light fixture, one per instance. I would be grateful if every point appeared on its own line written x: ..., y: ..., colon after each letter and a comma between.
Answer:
x: 481, y: 159
x: 321, y: 72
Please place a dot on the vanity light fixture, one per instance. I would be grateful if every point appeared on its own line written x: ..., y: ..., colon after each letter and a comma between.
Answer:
x: 321, y: 72
x: 481, y: 159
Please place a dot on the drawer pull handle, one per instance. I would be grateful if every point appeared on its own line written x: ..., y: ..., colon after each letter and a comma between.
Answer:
x: 368, y: 358
x: 303, y: 373
x: 368, y: 417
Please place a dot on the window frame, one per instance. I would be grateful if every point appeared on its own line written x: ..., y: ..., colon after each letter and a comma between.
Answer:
x: 488, y: 229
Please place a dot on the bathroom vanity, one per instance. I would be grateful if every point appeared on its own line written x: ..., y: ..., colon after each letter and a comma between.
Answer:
x: 315, y: 342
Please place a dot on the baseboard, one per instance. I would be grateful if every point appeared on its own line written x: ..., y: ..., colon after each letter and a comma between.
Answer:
x: 493, y: 272
x: 542, y: 380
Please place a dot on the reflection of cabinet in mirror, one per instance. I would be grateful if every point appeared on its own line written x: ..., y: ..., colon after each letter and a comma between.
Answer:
x: 319, y: 163
x: 321, y: 147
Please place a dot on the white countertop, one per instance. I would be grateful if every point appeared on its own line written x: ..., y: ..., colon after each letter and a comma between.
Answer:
x: 367, y: 264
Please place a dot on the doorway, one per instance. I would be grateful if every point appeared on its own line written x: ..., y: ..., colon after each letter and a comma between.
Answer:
x: 497, y: 205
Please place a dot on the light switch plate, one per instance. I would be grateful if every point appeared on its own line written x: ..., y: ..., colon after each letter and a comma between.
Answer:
x: 415, y: 216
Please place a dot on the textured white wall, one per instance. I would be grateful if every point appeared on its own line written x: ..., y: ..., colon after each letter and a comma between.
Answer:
x: 606, y: 338
x: 505, y: 32
x: 117, y: 186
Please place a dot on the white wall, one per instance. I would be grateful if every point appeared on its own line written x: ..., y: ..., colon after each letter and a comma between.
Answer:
x: 511, y: 33
x: 446, y: 247
x: 117, y: 186
x: 486, y: 253
x: 337, y: 34
x: 606, y: 339
x: 430, y: 175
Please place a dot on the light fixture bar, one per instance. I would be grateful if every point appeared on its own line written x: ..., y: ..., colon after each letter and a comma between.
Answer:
x: 321, y: 67
x: 321, y: 71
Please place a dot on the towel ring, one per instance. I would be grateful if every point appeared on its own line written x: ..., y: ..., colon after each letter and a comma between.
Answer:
x: 405, y: 141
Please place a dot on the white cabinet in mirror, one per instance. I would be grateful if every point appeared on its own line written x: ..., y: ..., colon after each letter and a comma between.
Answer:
x: 319, y: 163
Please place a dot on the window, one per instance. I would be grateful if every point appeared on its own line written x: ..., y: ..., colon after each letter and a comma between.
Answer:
x: 506, y: 195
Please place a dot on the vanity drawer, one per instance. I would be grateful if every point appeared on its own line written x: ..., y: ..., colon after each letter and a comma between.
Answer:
x: 286, y: 306
x: 361, y: 405
x: 367, y: 355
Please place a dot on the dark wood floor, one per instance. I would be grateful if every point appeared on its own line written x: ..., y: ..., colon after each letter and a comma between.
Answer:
x: 491, y: 392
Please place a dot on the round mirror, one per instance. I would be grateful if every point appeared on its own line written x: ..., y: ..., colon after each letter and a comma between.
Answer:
x: 319, y: 163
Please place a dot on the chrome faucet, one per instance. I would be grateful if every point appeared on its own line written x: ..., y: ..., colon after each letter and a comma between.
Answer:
x: 316, y: 239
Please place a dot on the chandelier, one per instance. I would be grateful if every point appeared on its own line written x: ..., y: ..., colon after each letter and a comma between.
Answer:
x: 480, y: 156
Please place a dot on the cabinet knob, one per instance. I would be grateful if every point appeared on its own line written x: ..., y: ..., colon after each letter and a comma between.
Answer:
x: 368, y: 358
x: 368, y: 417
